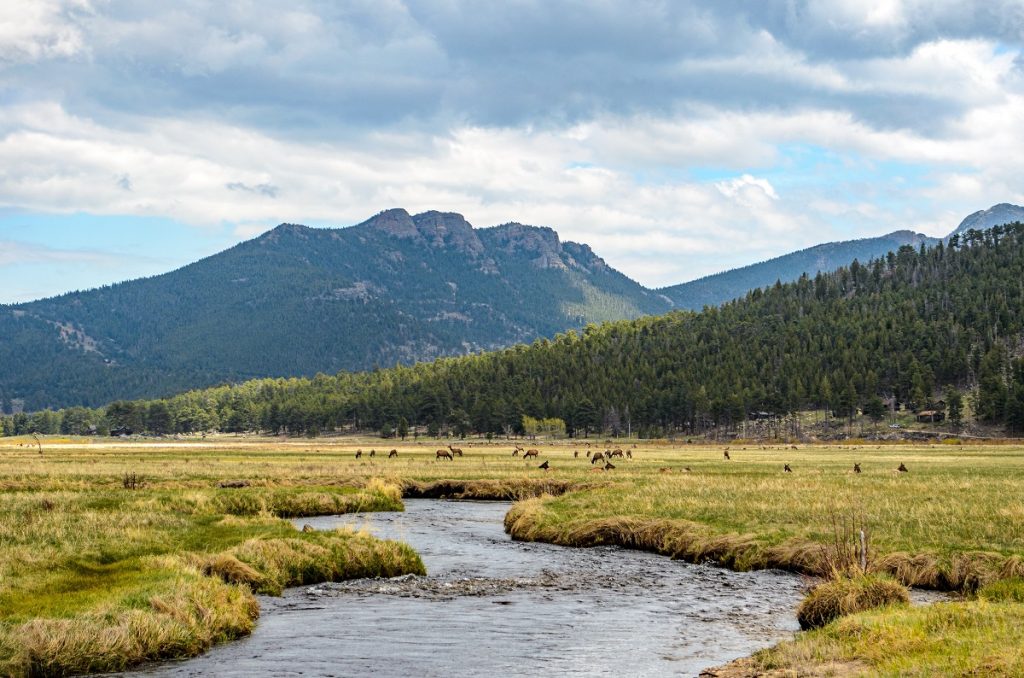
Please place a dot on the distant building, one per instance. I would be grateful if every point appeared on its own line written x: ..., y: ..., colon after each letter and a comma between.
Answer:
x: 930, y: 416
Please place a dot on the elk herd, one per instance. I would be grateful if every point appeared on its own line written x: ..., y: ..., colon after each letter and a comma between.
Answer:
x: 600, y: 461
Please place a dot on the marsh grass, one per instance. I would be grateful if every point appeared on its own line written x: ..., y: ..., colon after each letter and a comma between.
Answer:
x: 97, y: 574
x: 955, y: 521
x: 845, y: 594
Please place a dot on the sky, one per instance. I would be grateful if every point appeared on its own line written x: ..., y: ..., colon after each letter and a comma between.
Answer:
x: 676, y: 138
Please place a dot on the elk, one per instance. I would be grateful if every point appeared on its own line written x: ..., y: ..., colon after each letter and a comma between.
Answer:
x: 444, y: 454
x: 617, y: 452
x: 373, y: 453
x: 786, y: 468
x: 531, y: 453
x: 902, y: 468
x: 856, y: 468
x: 515, y: 452
x: 629, y: 455
x: 544, y: 466
x: 596, y: 458
x: 392, y: 453
x: 609, y: 466
x: 456, y: 451
x: 575, y: 454
x: 725, y: 453
x: 359, y: 453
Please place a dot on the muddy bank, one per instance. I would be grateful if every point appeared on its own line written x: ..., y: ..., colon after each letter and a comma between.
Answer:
x: 696, y: 543
x: 488, y: 490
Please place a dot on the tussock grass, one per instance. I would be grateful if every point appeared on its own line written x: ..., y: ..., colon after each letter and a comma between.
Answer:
x: 98, y: 577
x: 953, y: 522
x: 844, y: 595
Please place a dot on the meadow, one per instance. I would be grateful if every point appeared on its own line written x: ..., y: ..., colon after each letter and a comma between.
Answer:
x: 114, y: 552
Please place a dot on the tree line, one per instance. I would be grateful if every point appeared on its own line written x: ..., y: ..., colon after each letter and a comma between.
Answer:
x: 914, y: 327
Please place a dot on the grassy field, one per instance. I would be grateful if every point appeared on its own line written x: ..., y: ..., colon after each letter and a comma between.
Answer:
x: 95, y: 576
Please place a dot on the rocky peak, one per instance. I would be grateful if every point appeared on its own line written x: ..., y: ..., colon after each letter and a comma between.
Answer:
x: 448, y: 229
x: 395, y: 222
x: 539, y: 243
x: 285, y: 231
x: 1003, y: 213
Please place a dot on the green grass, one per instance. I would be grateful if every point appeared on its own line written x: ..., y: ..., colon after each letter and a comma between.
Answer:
x: 955, y: 520
x: 97, y: 577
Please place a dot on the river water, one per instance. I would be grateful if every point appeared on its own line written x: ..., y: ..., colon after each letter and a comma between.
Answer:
x: 493, y: 606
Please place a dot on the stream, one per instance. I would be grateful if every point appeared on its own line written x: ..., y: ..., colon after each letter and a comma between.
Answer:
x: 495, y: 606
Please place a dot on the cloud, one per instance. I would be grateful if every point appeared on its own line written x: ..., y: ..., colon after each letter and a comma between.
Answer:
x: 677, y: 138
x: 267, y: 190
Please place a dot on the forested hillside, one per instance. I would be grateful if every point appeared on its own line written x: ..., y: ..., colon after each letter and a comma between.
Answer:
x: 719, y: 288
x: 297, y: 301
x: 905, y: 325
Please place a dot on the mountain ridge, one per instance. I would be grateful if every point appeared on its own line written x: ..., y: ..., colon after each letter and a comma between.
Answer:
x: 295, y: 301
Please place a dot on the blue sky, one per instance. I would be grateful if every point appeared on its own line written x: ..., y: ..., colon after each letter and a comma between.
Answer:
x: 676, y: 138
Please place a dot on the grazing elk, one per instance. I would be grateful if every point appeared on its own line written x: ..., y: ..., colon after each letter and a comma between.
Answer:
x: 725, y: 453
x: 359, y: 453
x: 444, y: 454
x: 596, y: 458
x: 629, y: 455
x: 515, y: 452
x: 902, y: 468
x: 531, y: 453
x: 608, y: 466
x: 544, y: 466
x: 392, y: 453
x: 373, y: 453
x: 456, y: 451
x: 786, y: 469
x: 856, y: 468
x: 575, y: 454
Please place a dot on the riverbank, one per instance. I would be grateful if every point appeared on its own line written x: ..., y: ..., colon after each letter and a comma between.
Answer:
x: 954, y: 520
x: 101, y: 579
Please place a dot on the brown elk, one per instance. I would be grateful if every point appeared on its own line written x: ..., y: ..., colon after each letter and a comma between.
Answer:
x: 575, y: 454
x: 902, y: 468
x: 359, y: 453
x: 629, y: 455
x: 856, y: 468
x: 531, y: 453
x: 544, y: 466
x: 444, y: 454
x: 596, y: 458
x: 617, y: 452
x: 373, y: 453
x: 392, y: 453
x: 609, y: 466
x: 515, y: 452
x: 725, y: 453
x: 786, y: 468
x: 456, y: 451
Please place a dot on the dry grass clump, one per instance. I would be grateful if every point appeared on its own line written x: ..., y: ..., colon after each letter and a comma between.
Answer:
x: 297, y: 502
x: 183, y: 618
x: 231, y: 570
x: 318, y: 557
x: 847, y: 595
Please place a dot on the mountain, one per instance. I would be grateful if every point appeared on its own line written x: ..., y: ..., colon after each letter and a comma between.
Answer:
x: 1003, y: 213
x: 906, y: 326
x: 716, y: 289
x: 296, y: 301
x: 397, y: 288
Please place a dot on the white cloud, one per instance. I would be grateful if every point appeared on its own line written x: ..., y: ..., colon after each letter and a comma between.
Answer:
x: 39, y: 29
